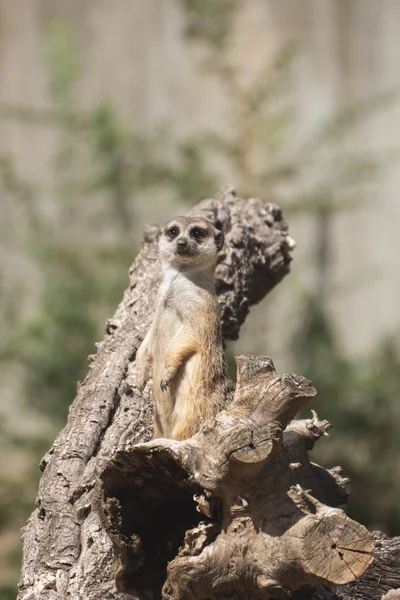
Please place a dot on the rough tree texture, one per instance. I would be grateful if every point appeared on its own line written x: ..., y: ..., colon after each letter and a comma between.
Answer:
x: 258, y: 533
x: 67, y: 552
x: 383, y: 577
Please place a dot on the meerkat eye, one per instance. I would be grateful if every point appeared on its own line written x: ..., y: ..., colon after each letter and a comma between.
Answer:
x: 198, y: 233
x: 173, y: 232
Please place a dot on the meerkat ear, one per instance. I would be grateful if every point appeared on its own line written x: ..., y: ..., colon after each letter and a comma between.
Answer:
x: 219, y: 239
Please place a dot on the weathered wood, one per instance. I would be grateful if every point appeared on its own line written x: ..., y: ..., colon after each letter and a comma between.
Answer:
x: 67, y: 554
x: 383, y: 576
x: 258, y: 532
x: 381, y: 581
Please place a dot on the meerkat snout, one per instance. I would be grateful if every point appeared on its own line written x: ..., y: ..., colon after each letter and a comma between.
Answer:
x: 182, y: 244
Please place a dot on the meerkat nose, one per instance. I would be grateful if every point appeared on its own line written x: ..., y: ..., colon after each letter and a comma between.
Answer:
x: 181, y: 244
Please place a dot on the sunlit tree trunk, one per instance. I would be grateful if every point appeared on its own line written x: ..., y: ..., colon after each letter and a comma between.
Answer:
x: 69, y: 548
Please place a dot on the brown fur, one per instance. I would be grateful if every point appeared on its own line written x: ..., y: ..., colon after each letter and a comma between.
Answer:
x: 183, y: 348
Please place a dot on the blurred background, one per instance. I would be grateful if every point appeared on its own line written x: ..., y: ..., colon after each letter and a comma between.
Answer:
x: 115, y: 114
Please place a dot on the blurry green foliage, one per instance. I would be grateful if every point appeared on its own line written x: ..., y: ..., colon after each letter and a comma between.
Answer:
x: 79, y: 291
x: 360, y: 399
x: 128, y: 161
x: 323, y: 172
x: 82, y: 279
x: 63, y: 61
x: 7, y: 592
x: 210, y: 21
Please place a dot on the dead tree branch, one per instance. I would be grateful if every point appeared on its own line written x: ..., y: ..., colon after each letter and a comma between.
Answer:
x: 67, y: 554
x: 232, y: 502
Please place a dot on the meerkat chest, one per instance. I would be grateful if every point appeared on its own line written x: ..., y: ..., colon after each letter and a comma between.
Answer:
x: 181, y: 295
x: 179, y: 300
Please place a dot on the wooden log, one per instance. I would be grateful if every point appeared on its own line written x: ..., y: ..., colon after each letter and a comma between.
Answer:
x: 383, y: 576
x: 67, y: 554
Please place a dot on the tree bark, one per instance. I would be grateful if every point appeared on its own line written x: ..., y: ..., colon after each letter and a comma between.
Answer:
x: 66, y: 552
x: 109, y: 498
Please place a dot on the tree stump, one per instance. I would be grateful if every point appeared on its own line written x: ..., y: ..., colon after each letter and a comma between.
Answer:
x: 66, y: 553
x: 238, y: 511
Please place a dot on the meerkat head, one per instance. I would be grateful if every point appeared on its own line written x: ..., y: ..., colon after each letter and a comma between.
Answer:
x: 189, y: 241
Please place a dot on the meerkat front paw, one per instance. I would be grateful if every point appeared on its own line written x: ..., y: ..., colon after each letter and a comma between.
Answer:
x: 168, y: 376
x: 164, y: 383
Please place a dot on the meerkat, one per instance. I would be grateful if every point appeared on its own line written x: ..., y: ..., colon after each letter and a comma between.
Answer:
x: 183, y: 349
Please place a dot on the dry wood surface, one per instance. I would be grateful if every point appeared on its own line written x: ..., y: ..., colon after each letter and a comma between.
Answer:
x: 74, y: 537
